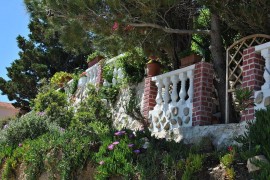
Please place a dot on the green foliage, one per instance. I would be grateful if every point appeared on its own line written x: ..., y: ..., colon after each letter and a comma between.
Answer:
x: 133, y: 64
x: 93, y: 109
x: 61, y: 78
x: 107, y: 73
x: 109, y: 92
x: 243, y: 99
x: 230, y: 173
x: 95, y: 54
x: 194, y: 163
x: 115, y: 162
x: 55, y: 105
x: 30, y: 126
x: 227, y: 160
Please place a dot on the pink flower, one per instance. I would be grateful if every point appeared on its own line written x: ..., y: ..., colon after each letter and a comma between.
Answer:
x: 101, y: 162
x: 230, y: 148
x: 115, y: 143
x: 115, y: 26
x: 110, y: 147
x: 20, y: 144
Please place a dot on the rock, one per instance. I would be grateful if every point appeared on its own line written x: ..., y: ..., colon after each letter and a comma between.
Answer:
x: 175, y: 111
x: 267, y: 101
x: 186, y: 111
x: 163, y: 120
x: 158, y: 125
x: 168, y: 115
x: 180, y: 122
x: 251, y: 167
x: 151, y: 126
x: 173, y: 121
x: 259, y: 98
x: 160, y: 113
x: 155, y: 119
x: 167, y: 126
x: 187, y: 120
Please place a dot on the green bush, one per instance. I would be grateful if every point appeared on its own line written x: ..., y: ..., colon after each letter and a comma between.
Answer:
x: 93, y: 109
x: 30, y: 126
x: 55, y: 105
x: 133, y: 64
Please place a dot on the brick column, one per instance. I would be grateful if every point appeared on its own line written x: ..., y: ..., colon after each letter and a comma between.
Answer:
x: 202, y: 97
x: 99, y: 75
x: 149, y: 98
x: 253, y: 69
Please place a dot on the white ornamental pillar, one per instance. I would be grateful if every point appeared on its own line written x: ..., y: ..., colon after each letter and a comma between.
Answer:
x: 174, y: 95
x: 159, y: 85
x: 166, y: 82
x: 183, y: 93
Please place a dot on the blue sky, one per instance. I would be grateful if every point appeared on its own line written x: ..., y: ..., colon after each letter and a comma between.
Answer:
x: 13, y: 22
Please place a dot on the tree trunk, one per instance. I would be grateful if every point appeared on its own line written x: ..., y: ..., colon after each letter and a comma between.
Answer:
x: 219, y: 62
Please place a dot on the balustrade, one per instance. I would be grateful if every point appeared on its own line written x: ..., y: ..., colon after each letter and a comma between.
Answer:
x: 177, y: 105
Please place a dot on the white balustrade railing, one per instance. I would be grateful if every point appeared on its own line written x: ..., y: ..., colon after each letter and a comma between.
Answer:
x: 262, y: 98
x: 174, y: 100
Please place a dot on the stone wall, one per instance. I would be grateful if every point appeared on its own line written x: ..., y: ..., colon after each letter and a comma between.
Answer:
x: 120, y: 118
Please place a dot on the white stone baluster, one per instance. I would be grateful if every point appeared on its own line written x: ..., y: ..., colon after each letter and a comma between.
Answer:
x: 266, y: 54
x: 190, y: 75
x: 114, y: 81
x: 174, y: 95
x: 182, y: 94
x: 159, y: 84
x: 166, y: 82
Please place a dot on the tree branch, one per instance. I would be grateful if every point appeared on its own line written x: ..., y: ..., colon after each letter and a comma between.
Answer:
x: 170, y: 30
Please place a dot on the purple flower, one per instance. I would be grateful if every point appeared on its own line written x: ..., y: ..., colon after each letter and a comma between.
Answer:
x: 116, y: 142
x: 118, y: 133
x: 123, y: 132
x: 5, y: 126
x: 137, y: 151
x: 130, y: 145
x: 62, y: 129
x: 131, y: 136
x: 110, y: 147
x: 20, y: 144
x: 101, y: 162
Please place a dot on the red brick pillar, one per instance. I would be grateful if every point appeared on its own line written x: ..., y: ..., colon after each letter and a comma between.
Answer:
x: 253, y: 68
x: 202, y: 94
x: 149, y: 98
x: 99, y: 75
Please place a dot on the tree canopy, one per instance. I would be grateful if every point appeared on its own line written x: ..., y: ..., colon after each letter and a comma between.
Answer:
x: 40, y: 57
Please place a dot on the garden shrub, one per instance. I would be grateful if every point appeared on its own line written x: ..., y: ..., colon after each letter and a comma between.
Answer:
x: 29, y: 126
x: 55, y: 105
x: 93, y: 109
x: 133, y: 65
